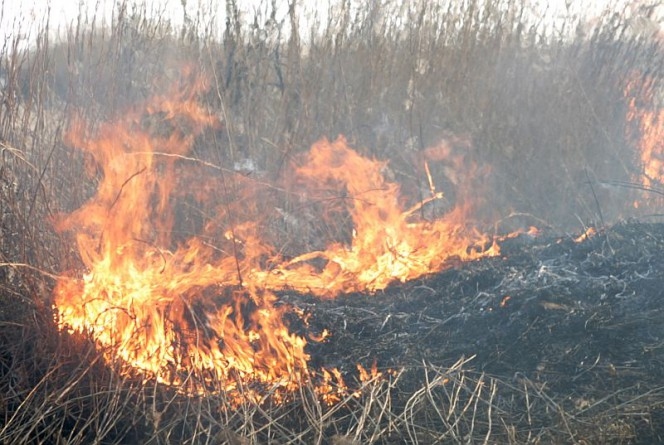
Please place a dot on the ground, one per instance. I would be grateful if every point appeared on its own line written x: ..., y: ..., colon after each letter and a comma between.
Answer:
x: 579, y: 324
x: 557, y: 340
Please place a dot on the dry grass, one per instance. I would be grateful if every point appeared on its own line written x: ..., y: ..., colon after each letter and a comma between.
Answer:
x: 545, y: 111
x: 73, y: 398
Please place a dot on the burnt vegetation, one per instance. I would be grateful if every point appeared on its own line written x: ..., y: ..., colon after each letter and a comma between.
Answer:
x: 555, y: 341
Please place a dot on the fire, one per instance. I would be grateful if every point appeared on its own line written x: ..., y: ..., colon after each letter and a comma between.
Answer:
x: 174, y: 312
x: 388, y: 243
x: 586, y: 235
x: 646, y: 120
x: 198, y: 311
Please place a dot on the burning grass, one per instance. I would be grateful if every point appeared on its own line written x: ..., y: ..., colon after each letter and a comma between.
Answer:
x: 200, y: 312
x: 216, y: 280
x: 574, y: 354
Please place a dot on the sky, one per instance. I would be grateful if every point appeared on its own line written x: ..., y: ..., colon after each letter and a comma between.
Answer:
x: 25, y: 17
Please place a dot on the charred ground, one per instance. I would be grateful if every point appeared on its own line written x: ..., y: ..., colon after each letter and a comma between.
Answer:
x: 579, y: 322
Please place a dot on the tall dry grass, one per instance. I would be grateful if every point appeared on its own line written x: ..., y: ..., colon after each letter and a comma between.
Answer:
x: 544, y: 109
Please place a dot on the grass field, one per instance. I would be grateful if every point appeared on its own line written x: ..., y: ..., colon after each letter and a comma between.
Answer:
x: 540, y: 115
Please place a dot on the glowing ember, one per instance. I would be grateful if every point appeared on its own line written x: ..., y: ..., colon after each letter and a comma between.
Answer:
x: 199, y: 312
x: 587, y: 234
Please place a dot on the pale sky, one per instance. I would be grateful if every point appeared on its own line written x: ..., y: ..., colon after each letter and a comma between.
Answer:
x: 25, y: 17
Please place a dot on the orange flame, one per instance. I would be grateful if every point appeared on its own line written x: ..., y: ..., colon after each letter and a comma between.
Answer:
x: 386, y: 245
x: 199, y: 313
x: 648, y: 118
x: 586, y: 235
x: 160, y: 307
